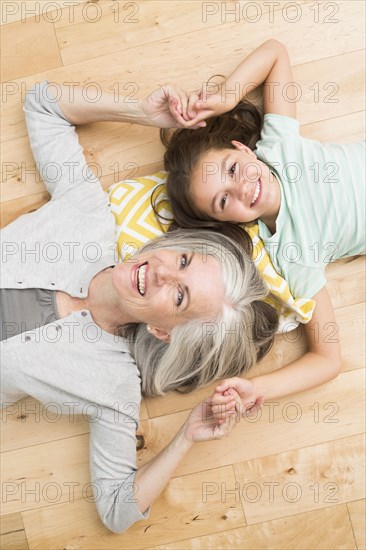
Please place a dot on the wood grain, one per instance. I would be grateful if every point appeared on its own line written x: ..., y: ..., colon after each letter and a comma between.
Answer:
x: 23, y: 53
x: 182, y: 497
x: 288, y: 424
x: 357, y: 512
x: 302, y: 480
x: 12, y: 534
x: 320, y: 530
x: 177, y: 42
x: 20, y: 10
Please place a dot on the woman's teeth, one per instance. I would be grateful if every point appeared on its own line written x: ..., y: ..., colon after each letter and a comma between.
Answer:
x: 256, y: 193
x: 141, y: 274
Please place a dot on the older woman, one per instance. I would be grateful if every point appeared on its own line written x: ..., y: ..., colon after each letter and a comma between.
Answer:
x: 67, y: 308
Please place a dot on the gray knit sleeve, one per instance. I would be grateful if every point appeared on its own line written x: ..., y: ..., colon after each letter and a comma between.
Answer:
x: 55, y: 145
x: 113, y: 466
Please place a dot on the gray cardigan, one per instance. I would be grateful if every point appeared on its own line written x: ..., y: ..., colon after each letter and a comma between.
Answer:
x: 72, y: 362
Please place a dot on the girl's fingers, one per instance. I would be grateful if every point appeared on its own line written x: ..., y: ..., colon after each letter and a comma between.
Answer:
x: 222, y: 400
x: 191, y: 109
x: 184, y: 106
x: 176, y: 109
x: 223, y: 387
x: 175, y: 104
x: 218, y: 409
x: 193, y: 126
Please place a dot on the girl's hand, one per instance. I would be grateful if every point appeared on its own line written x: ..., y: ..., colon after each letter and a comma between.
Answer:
x: 202, y: 105
x: 201, y: 425
x: 168, y: 106
x: 222, y: 401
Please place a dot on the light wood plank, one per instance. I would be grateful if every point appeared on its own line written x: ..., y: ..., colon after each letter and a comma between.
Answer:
x: 332, y: 411
x: 23, y: 49
x: 12, y: 534
x: 320, y: 530
x: 170, y: 43
x: 302, y: 480
x: 343, y: 129
x: 115, y: 151
x: 20, y: 10
x: 11, y: 210
x: 320, y: 418
x: 28, y: 422
x: 178, y: 509
x: 357, y: 512
x: 141, y: 76
x: 52, y: 472
x: 118, y: 24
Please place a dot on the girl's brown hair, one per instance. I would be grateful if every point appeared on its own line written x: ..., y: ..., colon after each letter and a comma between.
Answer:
x: 184, y: 148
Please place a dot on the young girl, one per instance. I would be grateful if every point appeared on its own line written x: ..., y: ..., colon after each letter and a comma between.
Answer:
x: 308, y: 198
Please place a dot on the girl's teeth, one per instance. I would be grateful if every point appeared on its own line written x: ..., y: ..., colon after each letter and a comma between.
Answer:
x: 141, y: 279
x: 256, y: 193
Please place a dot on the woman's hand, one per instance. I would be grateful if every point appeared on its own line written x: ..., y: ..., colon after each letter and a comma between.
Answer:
x: 168, y: 107
x: 201, y: 425
x: 231, y: 388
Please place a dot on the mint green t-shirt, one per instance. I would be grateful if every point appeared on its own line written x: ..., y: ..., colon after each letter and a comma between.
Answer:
x: 322, y: 212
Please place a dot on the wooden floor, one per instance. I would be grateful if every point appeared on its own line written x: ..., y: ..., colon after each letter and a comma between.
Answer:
x: 290, y: 479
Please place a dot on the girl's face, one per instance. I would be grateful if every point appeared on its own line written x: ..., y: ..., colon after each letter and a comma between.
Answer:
x: 165, y: 288
x: 233, y: 185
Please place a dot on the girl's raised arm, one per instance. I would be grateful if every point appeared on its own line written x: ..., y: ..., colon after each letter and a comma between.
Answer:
x: 269, y: 64
x: 321, y: 363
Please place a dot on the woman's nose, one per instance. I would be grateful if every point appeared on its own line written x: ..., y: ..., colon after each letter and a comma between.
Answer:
x: 164, y: 275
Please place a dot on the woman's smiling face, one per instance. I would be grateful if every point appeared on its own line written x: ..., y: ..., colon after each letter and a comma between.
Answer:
x: 165, y: 288
x: 233, y: 185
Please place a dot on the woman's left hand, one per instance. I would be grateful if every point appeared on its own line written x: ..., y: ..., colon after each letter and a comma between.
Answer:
x: 201, y: 425
x: 168, y: 107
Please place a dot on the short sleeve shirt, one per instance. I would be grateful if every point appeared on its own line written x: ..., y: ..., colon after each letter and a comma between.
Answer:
x: 322, y: 212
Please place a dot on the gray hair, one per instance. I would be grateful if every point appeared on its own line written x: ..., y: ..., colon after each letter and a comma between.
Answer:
x: 200, y: 351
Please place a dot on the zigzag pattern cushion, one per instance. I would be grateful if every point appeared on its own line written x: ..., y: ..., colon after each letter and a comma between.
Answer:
x: 136, y: 224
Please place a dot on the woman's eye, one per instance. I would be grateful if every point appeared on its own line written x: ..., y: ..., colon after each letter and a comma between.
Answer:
x: 183, y: 261
x: 223, y: 202
x: 180, y: 297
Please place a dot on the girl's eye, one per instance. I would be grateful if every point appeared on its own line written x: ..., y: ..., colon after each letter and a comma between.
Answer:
x: 232, y: 169
x: 223, y: 201
x: 180, y: 297
x: 183, y: 261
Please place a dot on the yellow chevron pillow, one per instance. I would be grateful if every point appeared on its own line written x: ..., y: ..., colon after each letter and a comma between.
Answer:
x: 136, y: 224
